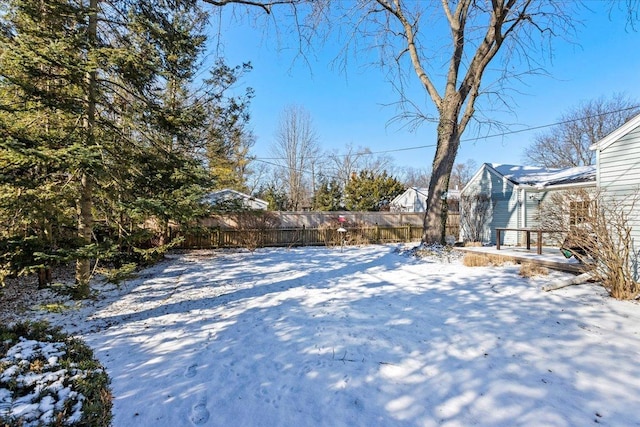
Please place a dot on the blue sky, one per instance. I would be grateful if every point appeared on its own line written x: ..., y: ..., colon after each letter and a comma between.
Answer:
x: 349, y: 109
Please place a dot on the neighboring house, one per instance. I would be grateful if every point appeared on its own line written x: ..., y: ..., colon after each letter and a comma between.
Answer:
x: 513, y: 194
x: 618, y: 170
x: 228, y: 198
x: 414, y: 199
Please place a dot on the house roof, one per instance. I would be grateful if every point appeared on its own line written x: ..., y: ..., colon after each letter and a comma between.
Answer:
x: 423, y: 191
x: 617, y: 134
x: 229, y: 195
x: 396, y: 200
x: 540, y: 177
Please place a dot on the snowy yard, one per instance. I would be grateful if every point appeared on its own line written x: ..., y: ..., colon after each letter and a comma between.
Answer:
x: 364, y: 337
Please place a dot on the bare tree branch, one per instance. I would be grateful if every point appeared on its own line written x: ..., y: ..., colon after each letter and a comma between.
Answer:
x: 567, y: 143
x: 409, y: 34
x: 264, y: 5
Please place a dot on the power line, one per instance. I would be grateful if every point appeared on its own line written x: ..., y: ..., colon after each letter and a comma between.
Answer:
x: 478, y: 138
x: 266, y: 160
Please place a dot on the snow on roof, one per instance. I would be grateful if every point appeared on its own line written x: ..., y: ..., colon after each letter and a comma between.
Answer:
x: 228, y: 195
x: 544, y: 177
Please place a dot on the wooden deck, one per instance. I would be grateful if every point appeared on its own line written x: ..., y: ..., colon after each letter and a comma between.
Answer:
x: 550, y: 257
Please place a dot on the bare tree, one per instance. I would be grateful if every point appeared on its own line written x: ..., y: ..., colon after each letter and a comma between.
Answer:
x: 295, y: 150
x: 567, y: 144
x: 415, y: 177
x: 462, y: 173
x: 448, y: 46
x: 342, y: 165
x: 474, y: 216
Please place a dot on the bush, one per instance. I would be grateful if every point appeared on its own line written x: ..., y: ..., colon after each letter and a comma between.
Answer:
x: 528, y: 269
x: 474, y: 217
x: 50, y: 379
x: 484, y: 260
x: 599, y: 236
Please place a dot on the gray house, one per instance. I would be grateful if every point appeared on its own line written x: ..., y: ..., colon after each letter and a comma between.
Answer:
x: 618, y: 169
x: 511, y: 196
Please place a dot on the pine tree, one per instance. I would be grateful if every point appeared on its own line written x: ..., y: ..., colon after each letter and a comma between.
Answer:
x: 42, y: 88
x: 328, y: 196
x: 227, y: 139
x: 96, y: 122
x: 368, y: 191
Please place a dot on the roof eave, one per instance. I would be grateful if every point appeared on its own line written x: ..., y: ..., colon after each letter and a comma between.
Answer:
x: 569, y: 186
x: 616, y: 134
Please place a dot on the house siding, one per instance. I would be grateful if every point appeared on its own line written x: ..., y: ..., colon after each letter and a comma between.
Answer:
x: 411, y: 200
x: 532, y: 202
x: 619, y: 176
x: 504, y: 210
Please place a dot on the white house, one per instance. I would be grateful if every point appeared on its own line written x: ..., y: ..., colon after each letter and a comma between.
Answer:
x: 414, y: 199
x: 229, y: 196
x: 514, y: 193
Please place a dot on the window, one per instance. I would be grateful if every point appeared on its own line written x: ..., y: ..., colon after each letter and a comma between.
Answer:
x: 579, y: 211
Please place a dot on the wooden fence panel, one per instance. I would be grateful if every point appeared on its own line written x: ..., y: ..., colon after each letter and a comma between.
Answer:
x: 233, y: 238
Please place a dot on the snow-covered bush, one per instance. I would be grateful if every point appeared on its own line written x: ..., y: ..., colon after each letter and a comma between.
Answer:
x: 50, y: 379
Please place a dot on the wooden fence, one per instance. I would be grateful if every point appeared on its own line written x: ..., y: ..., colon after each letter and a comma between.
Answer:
x: 234, y: 238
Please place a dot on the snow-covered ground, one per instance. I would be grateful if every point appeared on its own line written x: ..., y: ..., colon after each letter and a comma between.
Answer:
x: 367, y: 336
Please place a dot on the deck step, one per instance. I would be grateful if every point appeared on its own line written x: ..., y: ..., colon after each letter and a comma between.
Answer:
x: 517, y: 255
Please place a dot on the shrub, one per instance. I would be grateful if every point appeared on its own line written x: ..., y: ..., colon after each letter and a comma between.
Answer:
x: 484, y: 260
x: 529, y: 269
x: 54, y: 373
x: 599, y: 236
x: 474, y: 216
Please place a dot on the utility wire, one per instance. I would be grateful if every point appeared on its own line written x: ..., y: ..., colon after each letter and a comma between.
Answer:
x: 478, y: 138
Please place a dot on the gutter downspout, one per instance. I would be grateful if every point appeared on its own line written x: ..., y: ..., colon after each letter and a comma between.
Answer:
x: 523, y: 211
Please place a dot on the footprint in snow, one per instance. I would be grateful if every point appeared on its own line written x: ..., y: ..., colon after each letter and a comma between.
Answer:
x: 191, y: 371
x: 199, y: 412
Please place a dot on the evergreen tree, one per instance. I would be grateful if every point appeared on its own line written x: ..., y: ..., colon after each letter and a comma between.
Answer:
x: 275, y: 196
x: 167, y: 181
x: 368, y: 191
x: 328, y: 196
x: 44, y: 89
x: 227, y: 139
x: 97, y: 121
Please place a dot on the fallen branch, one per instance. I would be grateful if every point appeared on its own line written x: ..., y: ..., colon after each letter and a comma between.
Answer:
x: 344, y: 357
x: 577, y: 280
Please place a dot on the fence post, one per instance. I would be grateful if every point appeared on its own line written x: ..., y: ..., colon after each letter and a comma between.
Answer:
x: 303, y: 233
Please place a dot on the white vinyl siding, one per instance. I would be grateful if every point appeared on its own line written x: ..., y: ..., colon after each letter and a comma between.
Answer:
x: 619, y: 176
x: 533, y: 200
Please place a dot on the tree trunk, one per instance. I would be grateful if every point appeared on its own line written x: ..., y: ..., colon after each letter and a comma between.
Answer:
x: 85, y: 228
x: 85, y: 203
x: 435, y: 217
x: 44, y: 277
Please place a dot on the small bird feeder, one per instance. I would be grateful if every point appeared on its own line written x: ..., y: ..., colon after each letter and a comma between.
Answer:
x: 341, y: 230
